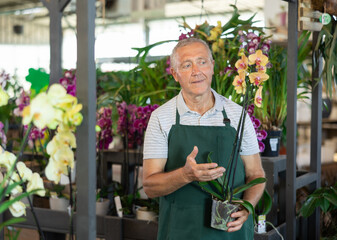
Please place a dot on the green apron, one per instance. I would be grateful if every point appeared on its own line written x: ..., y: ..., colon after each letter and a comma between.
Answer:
x: 186, y: 213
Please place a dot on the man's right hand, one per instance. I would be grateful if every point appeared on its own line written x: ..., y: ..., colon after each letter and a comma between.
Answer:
x: 200, y: 172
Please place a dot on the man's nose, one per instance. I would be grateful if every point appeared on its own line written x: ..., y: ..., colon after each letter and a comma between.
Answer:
x: 195, y: 68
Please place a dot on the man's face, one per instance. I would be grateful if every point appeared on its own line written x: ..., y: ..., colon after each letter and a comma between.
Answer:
x: 194, y: 69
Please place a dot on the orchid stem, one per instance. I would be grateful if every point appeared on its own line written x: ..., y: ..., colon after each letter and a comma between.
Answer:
x: 71, y: 202
x: 22, y: 147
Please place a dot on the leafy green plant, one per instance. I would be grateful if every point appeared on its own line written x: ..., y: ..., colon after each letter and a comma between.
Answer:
x: 221, y: 190
x: 327, y: 47
x: 325, y: 198
x: 274, y: 106
x: 225, y: 46
x: 57, y: 191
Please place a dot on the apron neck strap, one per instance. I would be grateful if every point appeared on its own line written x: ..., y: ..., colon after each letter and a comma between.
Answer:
x: 177, y: 118
x: 226, y: 120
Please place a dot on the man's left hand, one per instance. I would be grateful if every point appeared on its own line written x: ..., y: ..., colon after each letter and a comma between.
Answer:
x: 241, y: 216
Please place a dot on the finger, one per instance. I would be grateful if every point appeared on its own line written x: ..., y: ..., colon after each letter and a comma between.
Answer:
x: 209, y: 177
x: 194, y: 153
x: 212, y: 167
x: 241, y: 213
x: 233, y: 229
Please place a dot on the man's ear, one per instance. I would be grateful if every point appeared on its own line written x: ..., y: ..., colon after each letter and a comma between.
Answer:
x: 174, y: 74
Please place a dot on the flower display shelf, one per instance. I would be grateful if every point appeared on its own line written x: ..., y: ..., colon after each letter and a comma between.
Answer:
x: 275, y: 169
x: 107, y: 227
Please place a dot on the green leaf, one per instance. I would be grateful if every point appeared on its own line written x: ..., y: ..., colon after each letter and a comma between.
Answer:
x: 249, y: 185
x: 209, y: 159
x: 38, y: 78
x: 265, y: 203
x: 331, y: 197
x: 210, y: 191
x: 245, y: 204
x: 324, y: 204
x: 6, y: 204
x: 11, y: 222
x: 309, y: 206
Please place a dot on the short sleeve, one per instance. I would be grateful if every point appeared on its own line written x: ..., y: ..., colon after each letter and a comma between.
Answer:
x: 249, y: 145
x: 155, y: 142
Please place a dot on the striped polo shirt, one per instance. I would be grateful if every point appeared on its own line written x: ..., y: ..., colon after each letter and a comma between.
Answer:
x: 162, y: 119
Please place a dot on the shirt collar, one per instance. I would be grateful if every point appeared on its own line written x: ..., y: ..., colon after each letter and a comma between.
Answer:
x: 182, y: 107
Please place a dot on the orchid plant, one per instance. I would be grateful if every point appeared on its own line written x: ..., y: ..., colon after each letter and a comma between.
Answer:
x: 56, y: 110
x: 251, y: 75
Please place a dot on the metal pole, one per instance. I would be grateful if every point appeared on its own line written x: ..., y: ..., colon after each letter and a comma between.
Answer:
x: 86, y: 136
x: 291, y: 120
x: 316, y: 135
x: 55, y: 33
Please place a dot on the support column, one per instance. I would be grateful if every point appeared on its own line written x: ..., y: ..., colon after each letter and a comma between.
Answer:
x: 291, y: 120
x: 55, y: 8
x: 316, y: 135
x: 86, y: 136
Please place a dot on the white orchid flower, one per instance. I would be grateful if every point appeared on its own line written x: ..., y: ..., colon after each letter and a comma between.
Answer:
x: 3, y: 97
x: 24, y: 172
x: 17, y: 209
x: 7, y: 159
x: 36, y: 182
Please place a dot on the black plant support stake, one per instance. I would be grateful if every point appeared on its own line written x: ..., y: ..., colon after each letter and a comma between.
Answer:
x: 242, y: 127
x: 230, y: 163
x: 71, y: 202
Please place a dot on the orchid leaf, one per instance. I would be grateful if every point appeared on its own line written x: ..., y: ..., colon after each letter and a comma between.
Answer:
x: 265, y: 203
x: 210, y: 191
x: 6, y: 204
x: 11, y: 222
x: 246, y: 205
x: 249, y: 185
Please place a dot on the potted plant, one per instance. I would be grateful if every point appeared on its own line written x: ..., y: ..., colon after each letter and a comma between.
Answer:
x: 58, y: 200
x: 327, y: 47
x: 273, y: 111
x: 326, y: 199
x: 250, y: 80
x: 148, y: 209
x: 102, y: 202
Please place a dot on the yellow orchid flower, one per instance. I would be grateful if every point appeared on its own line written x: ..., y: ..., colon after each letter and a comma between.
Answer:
x: 73, y: 115
x: 65, y: 156
x: 40, y: 111
x: 216, y: 46
x: 258, y: 58
x: 67, y: 138
x: 258, y: 78
x: 54, y: 169
x: 242, y: 64
x: 258, y: 97
x: 239, y: 83
x: 261, y: 69
x: 3, y: 97
x: 215, y: 32
x: 36, y: 182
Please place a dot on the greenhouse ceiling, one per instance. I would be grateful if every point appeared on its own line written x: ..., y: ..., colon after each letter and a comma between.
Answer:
x: 124, y: 11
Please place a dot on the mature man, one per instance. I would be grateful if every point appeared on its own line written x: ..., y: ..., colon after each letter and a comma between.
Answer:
x: 180, y: 135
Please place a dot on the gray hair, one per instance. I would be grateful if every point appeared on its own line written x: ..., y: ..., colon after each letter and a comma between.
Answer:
x: 186, y: 42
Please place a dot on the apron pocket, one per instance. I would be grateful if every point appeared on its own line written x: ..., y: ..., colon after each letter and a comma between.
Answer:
x: 185, y: 222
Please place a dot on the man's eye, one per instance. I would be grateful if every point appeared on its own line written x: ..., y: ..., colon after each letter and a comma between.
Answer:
x: 185, y: 66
